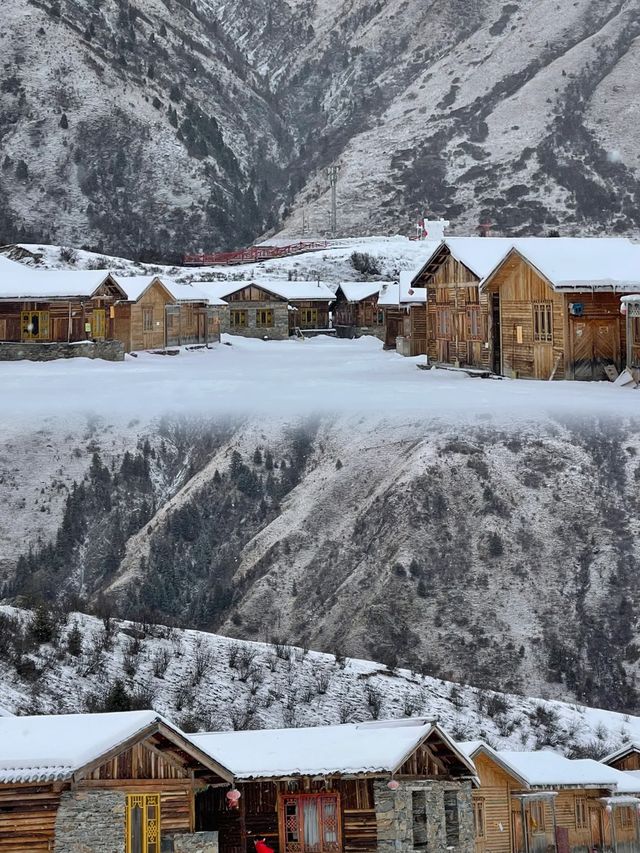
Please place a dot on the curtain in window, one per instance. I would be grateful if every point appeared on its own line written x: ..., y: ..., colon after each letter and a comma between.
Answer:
x: 310, y: 823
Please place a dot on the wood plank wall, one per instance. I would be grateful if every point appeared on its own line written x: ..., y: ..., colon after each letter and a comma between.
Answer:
x: 27, y: 818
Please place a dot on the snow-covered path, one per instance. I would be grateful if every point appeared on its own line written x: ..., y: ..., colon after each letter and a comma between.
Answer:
x: 288, y: 378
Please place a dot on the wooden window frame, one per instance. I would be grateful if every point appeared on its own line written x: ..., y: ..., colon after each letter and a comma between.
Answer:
x: 541, y: 824
x: 299, y: 846
x: 147, y: 319
x: 474, y: 323
x: 309, y: 318
x: 264, y: 318
x: 543, y: 322
x: 451, y: 827
x: 238, y: 314
x: 151, y: 826
x: 479, y: 817
x: 444, y: 324
x: 625, y: 817
x: 44, y: 321
x: 582, y: 814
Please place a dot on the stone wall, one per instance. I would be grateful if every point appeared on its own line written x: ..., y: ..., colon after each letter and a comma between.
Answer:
x: 196, y: 842
x: 279, y: 331
x: 90, y: 822
x: 412, y: 818
x: 41, y: 351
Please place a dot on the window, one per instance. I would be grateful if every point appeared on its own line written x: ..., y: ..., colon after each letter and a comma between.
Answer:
x: 451, y: 818
x: 443, y: 323
x: 625, y: 817
x: 543, y: 322
x: 380, y: 318
x: 98, y: 322
x: 310, y: 823
x: 147, y: 319
x: 35, y: 325
x: 142, y: 823
x: 308, y: 317
x: 419, y: 814
x: 478, y: 818
x: 536, y: 815
x: 238, y: 319
x: 581, y: 813
x: 264, y: 317
x: 474, y: 323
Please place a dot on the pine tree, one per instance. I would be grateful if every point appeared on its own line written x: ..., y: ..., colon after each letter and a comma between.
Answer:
x: 117, y: 699
x: 257, y: 457
x: 42, y: 627
x: 74, y: 641
x: 64, y: 122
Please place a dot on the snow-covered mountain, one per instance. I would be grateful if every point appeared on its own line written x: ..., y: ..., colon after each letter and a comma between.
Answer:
x: 60, y: 663
x: 158, y: 127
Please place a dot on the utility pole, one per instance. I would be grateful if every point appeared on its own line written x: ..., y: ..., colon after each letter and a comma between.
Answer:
x: 332, y: 175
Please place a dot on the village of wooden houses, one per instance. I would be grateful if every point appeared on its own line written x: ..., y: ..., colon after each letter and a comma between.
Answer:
x: 546, y: 308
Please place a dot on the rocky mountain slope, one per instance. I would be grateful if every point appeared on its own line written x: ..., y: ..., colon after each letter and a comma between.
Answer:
x: 157, y: 126
x: 501, y: 556
x: 65, y: 662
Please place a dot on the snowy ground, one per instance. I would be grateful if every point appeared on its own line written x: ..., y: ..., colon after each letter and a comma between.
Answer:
x: 249, y: 376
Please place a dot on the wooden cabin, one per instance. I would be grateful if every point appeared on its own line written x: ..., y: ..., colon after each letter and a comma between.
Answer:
x: 404, y: 311
x: 159, y: 313
x: 555, y: 310
x: 536, y: 802
x: 377, y: 787
x: 627, y: 757
x: 101, y: 782
x: 273, y: 309
x: 356, y: 311
x: 47, y: 306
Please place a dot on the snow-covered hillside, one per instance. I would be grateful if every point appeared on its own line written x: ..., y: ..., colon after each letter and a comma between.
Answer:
x: 205, y: 681
x: 160, y: 128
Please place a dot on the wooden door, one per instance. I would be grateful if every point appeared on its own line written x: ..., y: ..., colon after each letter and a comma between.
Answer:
x: 99, y: 323
x: 496, y: 340
x: 542, y: 360
x: 516, y: 831
x: 595, y: 345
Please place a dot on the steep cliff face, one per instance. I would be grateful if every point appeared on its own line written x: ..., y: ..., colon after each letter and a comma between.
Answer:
x: 496, y: 556
x: 159, y: 126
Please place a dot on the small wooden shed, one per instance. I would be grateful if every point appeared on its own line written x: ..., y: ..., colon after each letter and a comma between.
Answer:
x: 626, y: 757
x: 375, y: 787
x: 94, y: 782
x: 405, y: 318
x: 555, y: 307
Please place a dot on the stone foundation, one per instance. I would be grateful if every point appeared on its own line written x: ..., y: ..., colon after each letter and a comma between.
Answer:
x: 278, y: 332
x: 41, y: 351
x: 412, y: 818
x: 90, y: 822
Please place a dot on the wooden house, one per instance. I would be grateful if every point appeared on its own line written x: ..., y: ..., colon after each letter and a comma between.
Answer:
x: 378, y: 787
x: 101, y: 782
x: 626, y: 757
x: 157, y: 313
x: 404, y: 311
x: 457, y: 313
x: 536, y: 802
x: 49, y: 306
x: 555, y: 310
x: 274, y: 309
x: 356, y: 311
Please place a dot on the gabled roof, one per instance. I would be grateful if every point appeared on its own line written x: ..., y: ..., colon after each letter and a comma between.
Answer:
x: 548, y: 769
x: 408, y: 294
x: 389, y: 295
x: 57, y: 748
x: 135, y: 286
x: 20, y: 282
x: 291, y: 291
x: 356, y: 291
x: 374, y: 748
x: 626, y: 748
x: 579, y: 264
x: 478, y: 254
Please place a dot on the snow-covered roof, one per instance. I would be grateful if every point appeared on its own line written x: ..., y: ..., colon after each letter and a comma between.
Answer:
x: 378, y: 747
x: 407, y: 293
x: 632, y: 298
x: 292, y: 291
x: 55, y: 747
x: 580, y: 263
x: 356, y: 291
x: 35, y: 749
x: 548, y: 769
x: 20, y: 282
x: 389, y: 294
x: 629, y: 746
x: 135, y: 285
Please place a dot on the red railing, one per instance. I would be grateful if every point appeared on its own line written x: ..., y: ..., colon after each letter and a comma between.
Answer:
x: 252, y: 255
